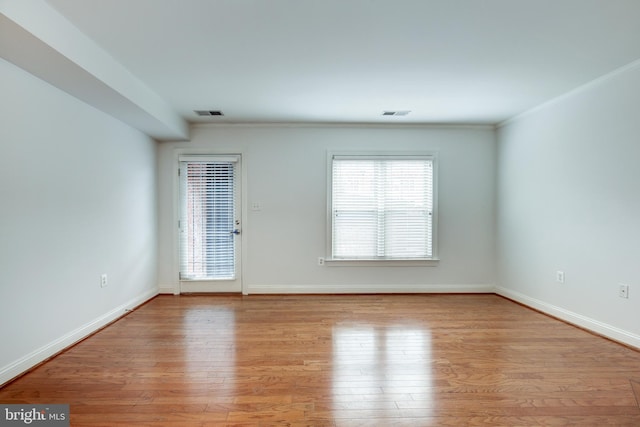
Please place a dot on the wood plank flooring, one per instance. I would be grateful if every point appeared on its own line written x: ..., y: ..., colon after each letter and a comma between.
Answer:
x: 339, y: 360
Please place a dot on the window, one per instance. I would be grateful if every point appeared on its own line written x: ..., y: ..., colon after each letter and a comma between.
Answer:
x: 382, y: 207
x: 207, y: 244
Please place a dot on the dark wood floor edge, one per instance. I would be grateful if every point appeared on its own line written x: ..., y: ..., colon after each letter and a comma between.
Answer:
x: 592, y: 332
x: 635, y: 387
x: 70, y: 346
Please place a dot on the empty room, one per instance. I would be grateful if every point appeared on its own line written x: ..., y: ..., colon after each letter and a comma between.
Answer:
x: 320, y: 213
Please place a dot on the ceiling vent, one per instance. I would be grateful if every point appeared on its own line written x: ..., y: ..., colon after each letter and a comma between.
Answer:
x: 205, y: 113
x: 396, y: 113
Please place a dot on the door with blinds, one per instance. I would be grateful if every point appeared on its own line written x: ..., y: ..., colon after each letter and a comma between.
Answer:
x: 209, y: 225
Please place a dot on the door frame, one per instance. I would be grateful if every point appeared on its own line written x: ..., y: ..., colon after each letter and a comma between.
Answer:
x: 242, y: 176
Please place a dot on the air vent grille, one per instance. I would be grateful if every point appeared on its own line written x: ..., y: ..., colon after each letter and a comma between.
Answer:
x: 396, y: 113
x: 205, y: 113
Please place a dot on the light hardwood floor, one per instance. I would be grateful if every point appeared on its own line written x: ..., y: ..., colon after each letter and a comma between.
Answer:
x: 339, y: 360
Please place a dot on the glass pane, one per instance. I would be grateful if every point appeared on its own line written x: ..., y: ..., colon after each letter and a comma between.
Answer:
x: 208, y: 246
x: 382, y: 208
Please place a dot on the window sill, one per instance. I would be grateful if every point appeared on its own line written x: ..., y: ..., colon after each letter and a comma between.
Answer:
x: 431, y: 262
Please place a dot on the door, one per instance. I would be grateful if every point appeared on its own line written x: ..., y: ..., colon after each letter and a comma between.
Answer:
x: 209, y: 225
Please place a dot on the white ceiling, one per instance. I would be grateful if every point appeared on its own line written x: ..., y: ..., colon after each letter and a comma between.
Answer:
x: 334, y: 61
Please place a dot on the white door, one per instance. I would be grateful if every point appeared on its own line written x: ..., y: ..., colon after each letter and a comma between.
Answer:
x: 209, y: 225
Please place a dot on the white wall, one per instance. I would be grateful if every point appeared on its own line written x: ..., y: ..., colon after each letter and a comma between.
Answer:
x: 78, y: 192
x: 569, y: 199
x: 286, y: 172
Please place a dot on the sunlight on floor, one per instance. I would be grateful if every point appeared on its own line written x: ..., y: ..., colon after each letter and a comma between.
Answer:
x: 380, y: 371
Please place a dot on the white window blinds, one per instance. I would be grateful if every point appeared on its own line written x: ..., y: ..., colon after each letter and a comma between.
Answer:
x: 382, y: 207
x: 207, y: 244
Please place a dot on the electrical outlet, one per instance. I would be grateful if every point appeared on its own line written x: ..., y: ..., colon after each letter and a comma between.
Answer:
x: 623, y: 290
x: 320, y: 261
x: 560, y: 276
x: 103, y: 281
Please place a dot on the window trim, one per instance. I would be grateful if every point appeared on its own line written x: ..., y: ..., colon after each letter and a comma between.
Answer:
x: 390, y: 155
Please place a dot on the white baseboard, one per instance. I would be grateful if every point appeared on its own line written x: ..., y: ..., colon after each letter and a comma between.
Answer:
x: 585, y: 322
x: 367, y: 289
x: 168, y: 289
x: 32, y: 359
